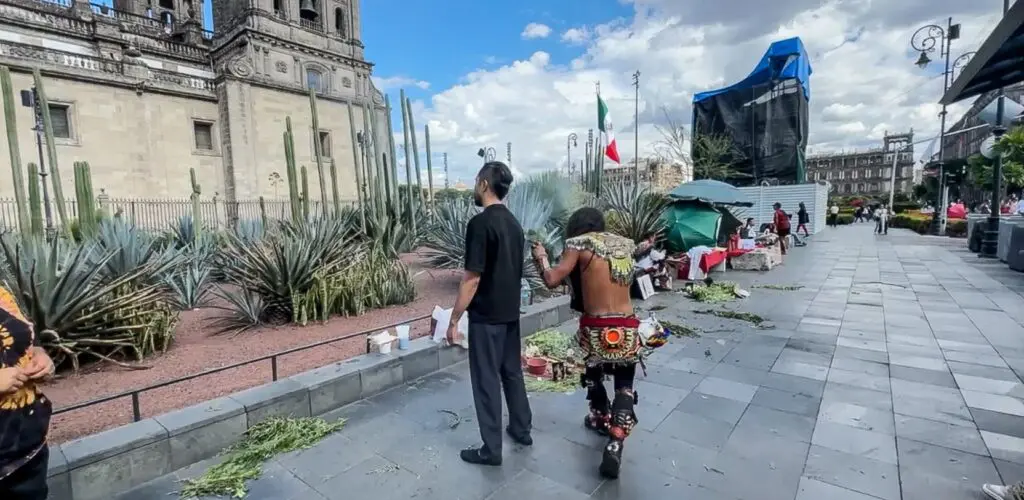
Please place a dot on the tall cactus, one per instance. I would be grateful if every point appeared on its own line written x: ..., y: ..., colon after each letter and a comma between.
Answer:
x: 84, y: 196
x: 408, y: 166
x: 375, y: 148
x: 263, y: 212
x: 197, y: 214
x: 372, y: 165
x: 430, y: 170
x: 392, y: 168
x: 305, y: 194
x: 357, y: 163
x: 51, y: 149
x: 415, y: 155
x: 335, y: 196
x: 293, y: 178
x: 318, y: 150
x: 12, y: 145
x: 35, y: 201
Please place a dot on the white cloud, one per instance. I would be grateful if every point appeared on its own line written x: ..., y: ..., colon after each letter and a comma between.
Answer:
x: 576, y: 36
x: 864, y: 81
x: 535, y: 30
x: 397, y: 82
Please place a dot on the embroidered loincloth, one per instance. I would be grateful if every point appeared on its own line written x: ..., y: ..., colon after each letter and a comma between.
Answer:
x: 610, y: 339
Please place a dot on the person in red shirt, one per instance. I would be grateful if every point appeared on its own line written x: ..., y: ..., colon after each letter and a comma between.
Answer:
x: 782, y: 226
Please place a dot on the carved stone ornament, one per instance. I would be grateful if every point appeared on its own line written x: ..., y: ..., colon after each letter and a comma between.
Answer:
x: 281, y: 67
x: 347, y: 82
x: 378, y: 97
x: 240, y: 66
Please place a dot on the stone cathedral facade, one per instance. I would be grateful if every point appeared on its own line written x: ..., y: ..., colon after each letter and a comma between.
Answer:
x: 143, y: 93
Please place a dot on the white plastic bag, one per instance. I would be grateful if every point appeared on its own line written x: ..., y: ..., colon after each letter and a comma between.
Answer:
x: 440, y: 319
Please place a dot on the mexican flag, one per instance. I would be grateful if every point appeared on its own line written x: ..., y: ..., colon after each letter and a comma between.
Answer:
x: 604, y: 124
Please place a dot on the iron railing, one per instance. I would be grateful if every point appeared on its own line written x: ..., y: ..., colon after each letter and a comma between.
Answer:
x: 161, y: 214
x: 135, y: 393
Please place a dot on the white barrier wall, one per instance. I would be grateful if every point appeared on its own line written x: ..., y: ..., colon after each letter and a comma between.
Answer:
x: 813, y: 195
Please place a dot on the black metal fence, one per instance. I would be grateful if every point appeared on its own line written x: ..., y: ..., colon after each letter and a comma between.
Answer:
x: 160, y: 214
x: 272, y: 358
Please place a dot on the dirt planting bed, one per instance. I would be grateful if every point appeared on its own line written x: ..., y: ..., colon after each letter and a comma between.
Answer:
x: 196, y: 350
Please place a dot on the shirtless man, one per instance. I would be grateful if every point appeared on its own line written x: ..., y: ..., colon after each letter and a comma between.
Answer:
x: 599, y: 267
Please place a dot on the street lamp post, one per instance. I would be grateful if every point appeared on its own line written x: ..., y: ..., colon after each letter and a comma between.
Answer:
x: 508, y: 153
x: 636, y: 130
x: 570, y: 142
x: 924, y: 40
x: 488, y: 154
x: 990, y: 241
x: 445, y: 156
x: 30, y: 98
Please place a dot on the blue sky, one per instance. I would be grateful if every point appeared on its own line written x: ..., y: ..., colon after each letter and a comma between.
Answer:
x: 441, y: 45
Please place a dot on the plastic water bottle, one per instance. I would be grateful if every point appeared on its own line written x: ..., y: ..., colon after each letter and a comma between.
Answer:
x: 524, y: 295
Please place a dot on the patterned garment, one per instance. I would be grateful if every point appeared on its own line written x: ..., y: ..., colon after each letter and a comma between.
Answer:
x: 25, y: 414
x: 615, y: 249
x: 610, y: 339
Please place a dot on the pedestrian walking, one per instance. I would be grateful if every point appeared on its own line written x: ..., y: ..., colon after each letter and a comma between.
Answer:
x: 833, y: 215
x: 489, y: 293
x: 782, y: 227
x: 881, y: 220
x: 803, y: 218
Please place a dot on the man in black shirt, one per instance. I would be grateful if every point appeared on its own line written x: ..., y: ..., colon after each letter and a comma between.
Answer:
x: 490, y: 293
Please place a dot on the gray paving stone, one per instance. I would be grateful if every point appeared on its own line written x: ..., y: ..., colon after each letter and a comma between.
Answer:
x: 800, y: 369
x: 760, y: 421
x: 867, y: 444
x: 1004, y: 447
x: 852, y: 472
x: 862, y: 380
x: 930, y: 377
x: 860, y: 366
x: 811, y: 489
x: 862, y: 354
x: 739, y: 477
x: 664, y: 375
x: 842, y: 393
x: 800, y: 404
x: 1000, y: 423
x: 695, y: 429
x: 728, y: 389
x: 714, y: 407
x: 659, y: 452
x: 994, y: 402
x: 861, y: 417
x: 567, y: 463
x: 983, y: 371
x: 528, y: 484
x: 374, y: 477
x: 926, y: 469
x: 956, y: 437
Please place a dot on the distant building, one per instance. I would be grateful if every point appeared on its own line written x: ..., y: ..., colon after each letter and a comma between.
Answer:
x: 660, y: 174
x: 867, y: 172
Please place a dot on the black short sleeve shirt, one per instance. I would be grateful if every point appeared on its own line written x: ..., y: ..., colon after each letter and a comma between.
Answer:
x: 494, y: 249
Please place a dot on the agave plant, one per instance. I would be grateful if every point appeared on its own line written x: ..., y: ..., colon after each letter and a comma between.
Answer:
x: 77, y: 309
x: 633, y: 213
x: 245, y: 310
x: 190, y: 284
x: 131, y: 249
x: 445, y: 238
x: 250, y: 230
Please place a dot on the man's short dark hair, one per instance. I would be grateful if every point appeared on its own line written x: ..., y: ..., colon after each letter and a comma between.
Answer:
x: 777, y: 205
x: 750, y: 219
x: 498, y: 177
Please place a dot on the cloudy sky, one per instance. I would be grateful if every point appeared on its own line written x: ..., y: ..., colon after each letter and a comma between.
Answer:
x: 484, y: 74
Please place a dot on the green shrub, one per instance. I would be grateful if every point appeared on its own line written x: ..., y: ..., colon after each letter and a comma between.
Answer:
x: 844, y: 219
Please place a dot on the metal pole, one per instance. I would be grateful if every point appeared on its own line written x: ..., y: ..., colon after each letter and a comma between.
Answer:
x: 445, y: 156
x: 636, y: 130
x: 940, y: 211
x: 990, y: 241
x: 570, y: 142
x: 508, y: 153
x: 42, y: 165
x: 892, y: 177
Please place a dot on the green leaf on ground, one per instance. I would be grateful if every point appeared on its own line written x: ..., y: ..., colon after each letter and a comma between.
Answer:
x: 244, y: 460
x: 679, y: 330
x: 715, y: 292
x: 786, y: 288
x: 738, y: 315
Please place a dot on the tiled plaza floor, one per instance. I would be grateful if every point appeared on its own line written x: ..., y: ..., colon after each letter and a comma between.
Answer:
x: 893, y: 373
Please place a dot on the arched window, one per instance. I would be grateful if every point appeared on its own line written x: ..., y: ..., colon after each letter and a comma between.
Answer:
x: 166, y: 4
x: 167, y: 19
x: 279, y: 8
x: 315, y: 80
x: 339, y: 22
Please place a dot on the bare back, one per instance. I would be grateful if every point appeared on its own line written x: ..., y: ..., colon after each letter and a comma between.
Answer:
x: 605, y: 263
x: 601, y: 294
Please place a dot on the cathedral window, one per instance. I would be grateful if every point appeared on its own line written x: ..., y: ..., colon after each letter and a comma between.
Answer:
x: 279, y: 9
x: 166, y: 4
x: 315, y: 80
x: 325, y: 144
x: 60, y: 118
x: 339, y: 22
x: 203, y: 132
x: 167, y: 19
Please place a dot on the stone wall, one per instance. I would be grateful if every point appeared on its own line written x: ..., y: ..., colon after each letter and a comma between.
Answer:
x: 139, y: 144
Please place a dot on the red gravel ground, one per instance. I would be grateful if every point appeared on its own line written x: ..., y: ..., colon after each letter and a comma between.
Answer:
x: 196, y: 350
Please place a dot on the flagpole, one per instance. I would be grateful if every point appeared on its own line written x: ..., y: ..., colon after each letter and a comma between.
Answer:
x: 599, y: 158
x: 636, y: 130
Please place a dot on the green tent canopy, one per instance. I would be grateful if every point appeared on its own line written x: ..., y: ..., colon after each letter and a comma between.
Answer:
x: 694, y: 223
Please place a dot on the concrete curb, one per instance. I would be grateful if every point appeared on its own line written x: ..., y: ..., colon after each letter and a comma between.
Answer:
x: 104, y: 465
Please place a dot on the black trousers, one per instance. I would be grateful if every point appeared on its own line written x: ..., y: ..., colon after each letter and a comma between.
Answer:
x: 495, y: 363
x: 593, y: 378
x: 29, y: 481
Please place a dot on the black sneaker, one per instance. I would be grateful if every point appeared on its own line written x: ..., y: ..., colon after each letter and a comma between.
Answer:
x: 473, y: 456
x: 611, y: 460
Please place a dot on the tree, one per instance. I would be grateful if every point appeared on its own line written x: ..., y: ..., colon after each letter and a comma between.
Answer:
x: 673, y: 145
x: 713, y: 157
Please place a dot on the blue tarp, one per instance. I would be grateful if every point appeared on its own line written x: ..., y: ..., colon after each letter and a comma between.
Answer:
x: 784, y: 60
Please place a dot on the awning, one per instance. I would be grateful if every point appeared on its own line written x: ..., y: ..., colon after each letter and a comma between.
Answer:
x: 998, y: 63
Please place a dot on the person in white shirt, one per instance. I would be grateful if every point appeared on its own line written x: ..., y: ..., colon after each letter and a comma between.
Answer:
x: 833, y: 215
x: 881, y: 226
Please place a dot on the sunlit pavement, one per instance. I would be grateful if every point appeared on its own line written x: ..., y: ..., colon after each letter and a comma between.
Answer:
x: 892, y: 373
